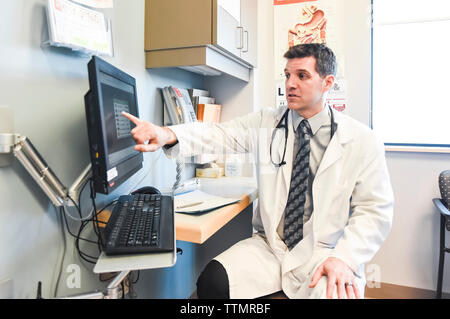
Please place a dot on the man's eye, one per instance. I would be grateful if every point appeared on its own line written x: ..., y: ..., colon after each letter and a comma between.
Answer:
x: 286, y: 75
x: 302, y: 76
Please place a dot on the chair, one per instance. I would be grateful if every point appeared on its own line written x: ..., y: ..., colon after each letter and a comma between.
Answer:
x: 443, y: 205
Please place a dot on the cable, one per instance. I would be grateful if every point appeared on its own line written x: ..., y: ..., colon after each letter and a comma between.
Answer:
x: 81, y: 219
x: 84, y: 222
x: 63, y: 233
x: 94, y: 218
x: 83, y: 255
x: 137, y: 279
x: 81, y: 192
x: 70, y: 232
x: 78, y: 206
x: 179, y: 176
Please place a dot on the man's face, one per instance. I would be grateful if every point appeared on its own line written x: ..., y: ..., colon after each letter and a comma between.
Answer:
x: 304, y: 86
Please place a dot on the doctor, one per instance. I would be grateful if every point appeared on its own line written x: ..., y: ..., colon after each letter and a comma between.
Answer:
x: 325, y: 199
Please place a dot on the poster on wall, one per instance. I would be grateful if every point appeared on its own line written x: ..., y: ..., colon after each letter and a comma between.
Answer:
x: 104, y: 4
x: 309, y: 21
x: 337, y: 97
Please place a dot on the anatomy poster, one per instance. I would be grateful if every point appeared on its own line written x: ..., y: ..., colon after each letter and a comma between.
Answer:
x: 300, y: 21
x: 309, y: 21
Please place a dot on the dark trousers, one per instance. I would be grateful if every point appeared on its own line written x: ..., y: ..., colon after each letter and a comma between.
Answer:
x: 213, y: 282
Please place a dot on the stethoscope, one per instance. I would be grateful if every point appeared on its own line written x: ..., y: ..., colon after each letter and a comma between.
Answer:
x: 283, y: 124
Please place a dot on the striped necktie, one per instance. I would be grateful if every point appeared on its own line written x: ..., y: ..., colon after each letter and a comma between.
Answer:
x: 295, y: 207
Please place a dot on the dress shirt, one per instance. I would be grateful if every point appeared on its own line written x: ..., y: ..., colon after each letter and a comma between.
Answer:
x: 321, y: 130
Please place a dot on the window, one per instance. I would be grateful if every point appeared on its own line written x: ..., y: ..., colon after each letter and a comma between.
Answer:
x: 411, y: 72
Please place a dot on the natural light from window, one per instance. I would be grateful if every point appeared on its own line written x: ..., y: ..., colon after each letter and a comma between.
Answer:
x: 411, y: 72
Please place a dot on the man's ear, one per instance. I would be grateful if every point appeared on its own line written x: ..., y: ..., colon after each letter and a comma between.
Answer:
x: 328, y: 83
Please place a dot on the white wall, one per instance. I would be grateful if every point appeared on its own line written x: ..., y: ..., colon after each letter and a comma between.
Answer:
x: 264, y: 73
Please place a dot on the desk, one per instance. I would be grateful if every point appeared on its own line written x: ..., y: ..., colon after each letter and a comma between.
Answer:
x: 198, y: 228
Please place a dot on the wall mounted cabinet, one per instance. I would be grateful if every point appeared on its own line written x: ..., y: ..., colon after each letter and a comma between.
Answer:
x: 209, y: 37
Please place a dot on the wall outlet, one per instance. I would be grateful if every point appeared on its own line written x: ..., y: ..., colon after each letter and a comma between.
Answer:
x: 6, y: 289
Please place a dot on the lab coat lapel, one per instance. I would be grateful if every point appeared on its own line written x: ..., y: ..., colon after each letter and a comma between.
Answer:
x: 332, y: 154
x: 335, y: 149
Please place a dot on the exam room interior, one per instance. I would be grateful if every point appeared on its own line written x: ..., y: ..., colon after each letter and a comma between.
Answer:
x: 45, y: 87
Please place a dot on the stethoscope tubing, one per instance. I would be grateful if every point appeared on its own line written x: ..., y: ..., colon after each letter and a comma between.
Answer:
x: 286, y: 133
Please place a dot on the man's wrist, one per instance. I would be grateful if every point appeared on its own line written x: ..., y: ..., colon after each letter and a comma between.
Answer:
x: 171, y: 138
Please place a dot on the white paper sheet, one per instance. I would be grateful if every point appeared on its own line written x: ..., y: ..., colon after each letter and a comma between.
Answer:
x: 198, y: 202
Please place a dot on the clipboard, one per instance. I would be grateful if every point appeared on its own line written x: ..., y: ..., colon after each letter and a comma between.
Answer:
x: 198, y: 202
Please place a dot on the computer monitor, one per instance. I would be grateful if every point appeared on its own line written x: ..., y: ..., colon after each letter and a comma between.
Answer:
x: 111, y: 144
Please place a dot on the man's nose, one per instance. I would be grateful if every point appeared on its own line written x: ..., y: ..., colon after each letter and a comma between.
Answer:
x: 290, y: 83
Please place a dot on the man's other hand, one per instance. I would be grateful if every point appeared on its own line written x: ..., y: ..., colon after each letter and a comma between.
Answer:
x: 339, y: 276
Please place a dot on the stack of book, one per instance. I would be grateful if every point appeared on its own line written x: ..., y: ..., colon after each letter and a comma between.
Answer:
x: 207, y: 112
x: 190, y: 105
x: 178, y: 106
x: 205, y: 106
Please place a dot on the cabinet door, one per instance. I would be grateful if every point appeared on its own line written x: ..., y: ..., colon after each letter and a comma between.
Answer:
x: 177, y: 23
x: 249, y: 23
x: 229, y: 30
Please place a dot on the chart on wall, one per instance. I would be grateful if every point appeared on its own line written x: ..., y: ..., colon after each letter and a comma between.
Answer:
x: 308, y: 21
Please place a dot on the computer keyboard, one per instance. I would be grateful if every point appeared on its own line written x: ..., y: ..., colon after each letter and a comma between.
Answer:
x: 140, y: 223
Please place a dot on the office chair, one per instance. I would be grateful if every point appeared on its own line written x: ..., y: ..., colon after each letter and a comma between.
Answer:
x: 443, y: 205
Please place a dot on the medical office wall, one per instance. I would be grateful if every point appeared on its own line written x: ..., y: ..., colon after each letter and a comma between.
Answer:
x: 45, y: 87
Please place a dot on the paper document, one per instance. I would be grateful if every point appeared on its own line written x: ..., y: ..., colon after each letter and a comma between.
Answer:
x: 77, y: 27
x: 200, y: 202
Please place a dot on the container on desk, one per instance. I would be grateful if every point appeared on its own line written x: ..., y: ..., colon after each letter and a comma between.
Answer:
x: 233, y: 166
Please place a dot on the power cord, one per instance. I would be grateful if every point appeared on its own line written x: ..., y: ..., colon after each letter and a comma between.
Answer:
x: 92, y: 217
x: 179, y: 176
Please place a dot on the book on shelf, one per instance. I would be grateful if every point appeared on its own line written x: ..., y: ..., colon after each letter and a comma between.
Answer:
x: 200, y: 97
x: 197, y: 92
x: 178, y: 106
x: 209, y: 113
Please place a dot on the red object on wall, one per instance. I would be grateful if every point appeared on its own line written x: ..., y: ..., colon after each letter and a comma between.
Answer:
x: 281, y: 2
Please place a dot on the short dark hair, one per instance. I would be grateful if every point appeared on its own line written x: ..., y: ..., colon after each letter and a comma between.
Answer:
x: 326, y: 63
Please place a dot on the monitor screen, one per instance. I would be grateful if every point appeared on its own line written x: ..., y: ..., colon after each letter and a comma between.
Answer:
x: 113, y: 156
x: 117, y: 97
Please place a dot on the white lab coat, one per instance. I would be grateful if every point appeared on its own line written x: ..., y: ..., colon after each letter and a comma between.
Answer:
x: 352, y: 200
